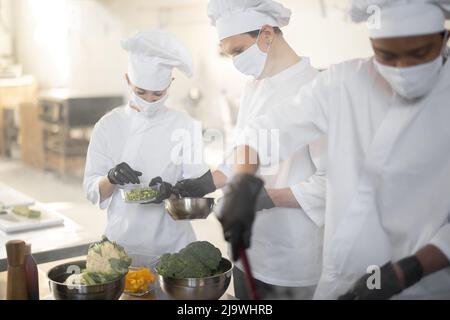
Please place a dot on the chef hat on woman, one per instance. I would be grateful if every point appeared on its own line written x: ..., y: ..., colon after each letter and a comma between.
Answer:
x: 152, y: 55
x: 232, y: 17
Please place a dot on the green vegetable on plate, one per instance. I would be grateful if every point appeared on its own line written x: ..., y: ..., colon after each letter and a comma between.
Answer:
x: 25, y: 211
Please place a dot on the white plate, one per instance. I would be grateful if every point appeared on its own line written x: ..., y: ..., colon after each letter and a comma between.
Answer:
x: 11, y: 223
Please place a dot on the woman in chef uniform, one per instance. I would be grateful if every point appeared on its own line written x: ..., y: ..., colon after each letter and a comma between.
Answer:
x: 133, y: 143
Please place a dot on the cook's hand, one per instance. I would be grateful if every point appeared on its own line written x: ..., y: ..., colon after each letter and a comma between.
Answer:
x: 264, y: 201
x: 394, y: 278
x: 390, y: 285
x: 195, y: 188
x: 123, y: 174
x: 165, y: 190
x: 237, y: 211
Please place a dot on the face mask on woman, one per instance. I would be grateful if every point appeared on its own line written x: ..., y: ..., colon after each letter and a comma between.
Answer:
x: 148, y: 108
x: 252, y: 61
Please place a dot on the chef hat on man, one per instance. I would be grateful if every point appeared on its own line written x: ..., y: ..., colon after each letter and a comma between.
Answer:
x: 401, y: 18
x: 232, y: 17
x: 152, y: 55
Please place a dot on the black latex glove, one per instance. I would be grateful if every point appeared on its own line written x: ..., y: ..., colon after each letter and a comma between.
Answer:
x: 123, y: 174
x: 264, y: 201
x: 195, y: 188
x: 237, y: 211
x: 390, y: 284
x: 165, y: 190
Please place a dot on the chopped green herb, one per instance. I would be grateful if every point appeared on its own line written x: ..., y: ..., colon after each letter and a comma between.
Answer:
x: 141, y: 195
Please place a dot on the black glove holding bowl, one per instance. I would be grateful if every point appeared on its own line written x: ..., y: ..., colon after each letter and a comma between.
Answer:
x: 199, y: 187
x: 195, y: 188
x: 123, y: 174
x: 192, y: 188
x: 165, y: 190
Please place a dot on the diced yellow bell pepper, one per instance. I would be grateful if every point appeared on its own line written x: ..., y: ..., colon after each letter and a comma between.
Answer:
x: 139, y: 280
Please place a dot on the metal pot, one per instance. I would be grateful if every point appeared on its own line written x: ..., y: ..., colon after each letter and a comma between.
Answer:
x: 61, y: 291
x: 209, y: 288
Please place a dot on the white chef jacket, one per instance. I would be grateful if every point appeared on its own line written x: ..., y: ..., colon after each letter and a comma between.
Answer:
x: 165, y: 145
x: 286, y: 243
x: 388, y: 171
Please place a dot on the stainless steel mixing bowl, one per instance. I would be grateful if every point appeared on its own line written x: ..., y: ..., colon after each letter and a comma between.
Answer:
x: 106, y: 291
x: 210, y: 288
x: 189, y: 208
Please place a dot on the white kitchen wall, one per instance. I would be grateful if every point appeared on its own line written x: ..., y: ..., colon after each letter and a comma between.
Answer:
x: 76, y: 44
x: 6, y: 49
x: 69, y: 44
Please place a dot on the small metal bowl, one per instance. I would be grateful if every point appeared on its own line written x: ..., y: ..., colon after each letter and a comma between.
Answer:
x: 209, y: 288
x: 189, y: 208
x: 61, y: 291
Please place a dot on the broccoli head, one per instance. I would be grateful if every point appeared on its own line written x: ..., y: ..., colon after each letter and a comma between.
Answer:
x: 198, y: 260
x: 204, y: 252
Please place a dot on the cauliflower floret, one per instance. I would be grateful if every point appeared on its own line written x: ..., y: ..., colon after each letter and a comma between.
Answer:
x: 106, y: 260
x: 107, y: 257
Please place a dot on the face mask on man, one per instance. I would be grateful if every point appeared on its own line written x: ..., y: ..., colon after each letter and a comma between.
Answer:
x: 252, y: 61
x: 416, y: 81
x: 148, y: 108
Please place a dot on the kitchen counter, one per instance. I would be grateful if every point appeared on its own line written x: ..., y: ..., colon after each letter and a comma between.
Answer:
x: 53, y: 243
x: 85, y: 223
x: 45, y: 294
x: 48, y: 244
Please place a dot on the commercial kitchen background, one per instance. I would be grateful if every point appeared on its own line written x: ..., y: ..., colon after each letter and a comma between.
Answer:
x: 60, y: 60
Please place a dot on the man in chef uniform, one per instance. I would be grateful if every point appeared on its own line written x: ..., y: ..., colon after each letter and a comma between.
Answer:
x: 288, y: 231
x: 387, y: 230
x: 134, y: 143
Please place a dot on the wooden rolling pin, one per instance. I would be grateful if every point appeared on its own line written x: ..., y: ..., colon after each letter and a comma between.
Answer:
x: 16, y: 286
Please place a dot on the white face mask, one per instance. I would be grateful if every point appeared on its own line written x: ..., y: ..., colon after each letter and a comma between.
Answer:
x: 416, y: 81
x: 252, y: 61
x: 412, y: 82
x: 148, y: 108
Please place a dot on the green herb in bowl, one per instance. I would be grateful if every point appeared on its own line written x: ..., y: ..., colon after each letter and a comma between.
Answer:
x: 137, y: 195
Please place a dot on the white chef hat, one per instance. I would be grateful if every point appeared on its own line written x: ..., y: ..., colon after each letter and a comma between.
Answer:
x: 401, y: 18
x: 232, y: 17
x: 152, y: 55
